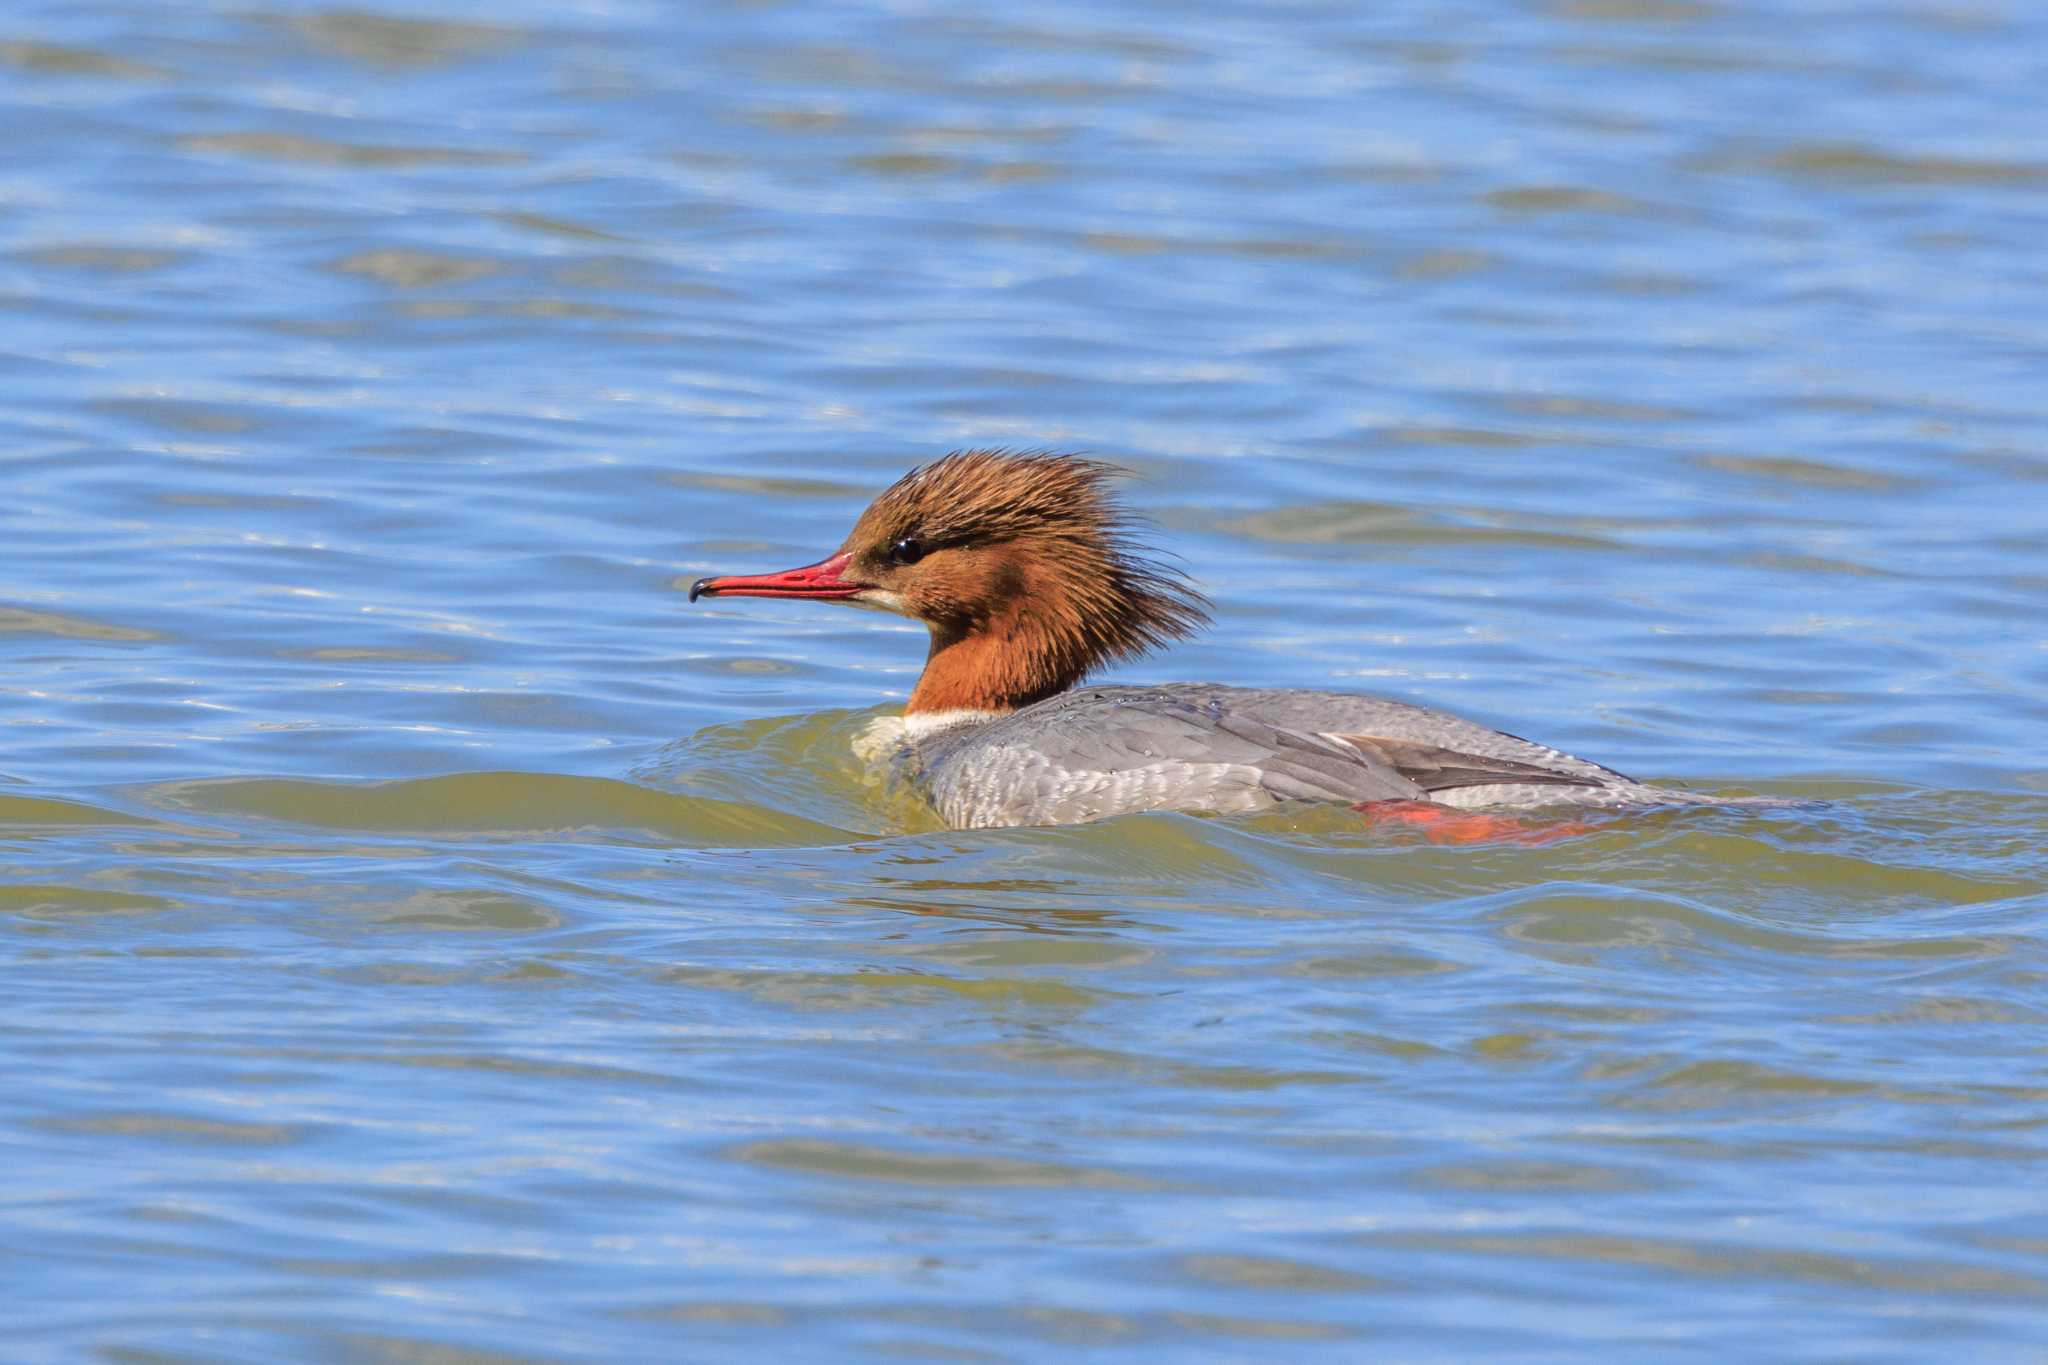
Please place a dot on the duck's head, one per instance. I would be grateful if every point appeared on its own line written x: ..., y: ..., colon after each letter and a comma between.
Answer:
x: 1026, y: 568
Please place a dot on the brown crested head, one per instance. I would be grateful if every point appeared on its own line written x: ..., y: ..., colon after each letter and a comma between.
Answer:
x: 1027, y: 568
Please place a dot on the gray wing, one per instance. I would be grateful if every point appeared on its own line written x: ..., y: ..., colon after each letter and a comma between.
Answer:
x: 1437, y: 769
x: 1381, y: 718
x: 1107, y: 751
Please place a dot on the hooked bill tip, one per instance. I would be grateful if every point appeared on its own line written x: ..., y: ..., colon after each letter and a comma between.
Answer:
x: 700, y: 587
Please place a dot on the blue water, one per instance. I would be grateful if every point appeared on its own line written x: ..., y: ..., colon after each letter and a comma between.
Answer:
x: 427, y: 938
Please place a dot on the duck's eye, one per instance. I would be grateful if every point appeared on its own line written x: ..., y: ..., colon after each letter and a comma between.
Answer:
x: 906, y: 551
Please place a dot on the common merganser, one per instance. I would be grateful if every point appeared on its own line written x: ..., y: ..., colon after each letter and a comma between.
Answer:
x: 1028, y: 571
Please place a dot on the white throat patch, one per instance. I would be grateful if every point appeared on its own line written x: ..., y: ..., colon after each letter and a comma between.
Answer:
x: 881, y: 599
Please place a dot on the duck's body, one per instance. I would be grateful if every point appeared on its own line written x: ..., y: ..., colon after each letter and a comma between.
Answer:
x: 1023, y: 568
x: 1102, y: 751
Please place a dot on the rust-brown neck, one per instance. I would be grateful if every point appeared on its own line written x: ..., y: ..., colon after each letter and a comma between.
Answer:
x: 996, y: 665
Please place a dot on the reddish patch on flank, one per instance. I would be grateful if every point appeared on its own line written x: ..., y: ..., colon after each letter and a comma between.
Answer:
x: 1444, y: 825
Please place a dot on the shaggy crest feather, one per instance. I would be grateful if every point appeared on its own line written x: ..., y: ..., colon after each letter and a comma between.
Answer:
x: 1067, y: 586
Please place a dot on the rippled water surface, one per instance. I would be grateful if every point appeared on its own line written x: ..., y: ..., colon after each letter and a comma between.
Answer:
x: 424, y: 937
